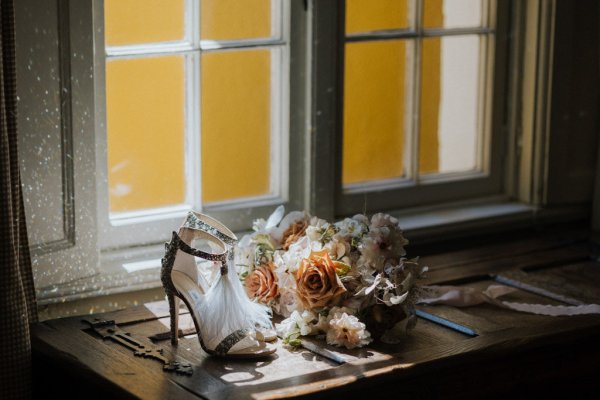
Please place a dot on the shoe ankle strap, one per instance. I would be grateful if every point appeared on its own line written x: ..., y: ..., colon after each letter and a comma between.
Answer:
x: 205, y: 223
x: 179, y: 243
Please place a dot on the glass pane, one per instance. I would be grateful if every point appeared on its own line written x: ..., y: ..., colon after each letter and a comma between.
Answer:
x: 234, y: 19
x: 129, y: 22
x: 452, y: 13
x: 145, y: 124
x: 236, y: 120
x: 449, y: 104
x: 375, y: 15
x: 374, y: 92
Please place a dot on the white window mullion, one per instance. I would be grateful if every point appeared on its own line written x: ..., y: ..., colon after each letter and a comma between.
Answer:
x: 193, y: 142
x: 279, y: 149
x: 279, y: 124
x: 191, y: 22
x: 193, y: 133
x: 278, y: 24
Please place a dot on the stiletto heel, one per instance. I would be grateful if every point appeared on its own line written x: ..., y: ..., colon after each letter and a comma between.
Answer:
x: 223, y: 329
x: 174, y: 312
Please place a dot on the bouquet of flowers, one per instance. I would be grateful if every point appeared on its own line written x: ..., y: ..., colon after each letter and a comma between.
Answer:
x: 349, y: 280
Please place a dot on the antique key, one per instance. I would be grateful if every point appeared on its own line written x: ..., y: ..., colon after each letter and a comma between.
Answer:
x: 108, y: 329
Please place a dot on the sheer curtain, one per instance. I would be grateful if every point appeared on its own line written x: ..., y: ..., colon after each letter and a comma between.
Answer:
x: 17, y: 296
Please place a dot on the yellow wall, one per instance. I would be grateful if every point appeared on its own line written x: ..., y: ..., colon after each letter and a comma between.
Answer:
x: 374, y: 93
x: 430, y: 93
x: 235, y: 124
x: 433, y: 16
x: 145, y: 128
x: 235, y: 19
x: 372, y: 15
x: 143, y: 21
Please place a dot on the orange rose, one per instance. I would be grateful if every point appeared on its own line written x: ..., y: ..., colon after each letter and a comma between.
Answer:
x: 261, y: 284
x: 293, y: 233
x: 317, y: 282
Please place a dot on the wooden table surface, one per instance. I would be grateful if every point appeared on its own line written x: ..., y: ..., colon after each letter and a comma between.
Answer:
x: 506, y: 352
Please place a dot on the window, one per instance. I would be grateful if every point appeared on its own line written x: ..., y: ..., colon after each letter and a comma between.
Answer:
x: 417, y: 93
x: 197, y: 105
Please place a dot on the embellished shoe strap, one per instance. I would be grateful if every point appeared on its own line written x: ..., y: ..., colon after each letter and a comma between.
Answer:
x: 192, y: 221
x: 226, y: 344
x: 180, y: 244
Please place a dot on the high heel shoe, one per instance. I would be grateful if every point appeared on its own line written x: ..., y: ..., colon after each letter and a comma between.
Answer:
x: 223, y: 329
x: 257, y: 313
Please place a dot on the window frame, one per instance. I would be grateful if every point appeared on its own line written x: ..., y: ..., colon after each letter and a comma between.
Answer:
x: 435, y: 189
x: 154, y: 226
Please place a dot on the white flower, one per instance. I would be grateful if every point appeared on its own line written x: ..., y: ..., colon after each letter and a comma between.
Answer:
x: 262, y: 226
x: 290, y: 259
x: 290, y: 329
x: 294, y: 216
x: 379, y: 220
x: 361, y: 218
x: 337, y: 247
x: 313, y: 233
x: 370, y: 254
x: 351, y: 227
x: 244, y: 254
x: 339, y: 310
x: 287, y: 303
x: 383, y: 242
x: 259, y: 225
x: 346, y: 330
x: 306, y: 322
x: 317, y: 229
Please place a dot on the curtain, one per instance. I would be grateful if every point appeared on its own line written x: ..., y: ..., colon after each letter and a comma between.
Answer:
x: 17, y: 296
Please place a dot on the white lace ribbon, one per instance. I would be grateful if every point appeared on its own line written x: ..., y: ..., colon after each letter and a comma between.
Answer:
x: 466, y: 296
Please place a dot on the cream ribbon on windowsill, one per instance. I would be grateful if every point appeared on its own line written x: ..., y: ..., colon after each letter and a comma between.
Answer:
x: 466, y: 296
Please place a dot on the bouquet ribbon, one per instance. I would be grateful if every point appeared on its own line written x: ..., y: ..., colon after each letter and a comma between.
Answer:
x: 467, y: 296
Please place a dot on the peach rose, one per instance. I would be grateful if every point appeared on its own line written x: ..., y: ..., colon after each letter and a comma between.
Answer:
x: 293, y: 233
x: 261, y: 284
x: 317, y: 282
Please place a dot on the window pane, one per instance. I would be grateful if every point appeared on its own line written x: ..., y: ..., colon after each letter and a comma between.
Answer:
x: 374, y: 92
x: 129, y: 22
x: 449, y: 104
x: 452, y: 13
x: 236, y: 120
x: 234, y: 19
x: 374, y: 15
x: 145, y: 125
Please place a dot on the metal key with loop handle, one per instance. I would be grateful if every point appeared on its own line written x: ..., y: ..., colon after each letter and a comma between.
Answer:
x: 108, y: 329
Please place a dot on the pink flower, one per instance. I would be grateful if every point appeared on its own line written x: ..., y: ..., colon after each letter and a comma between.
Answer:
x: 346, y: 330
x: 261, y: 284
